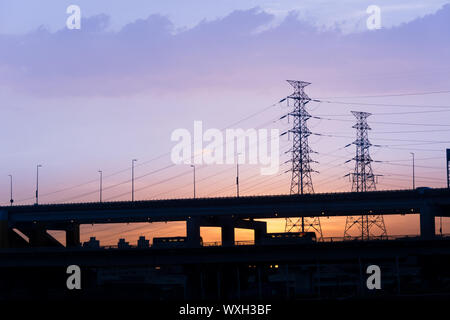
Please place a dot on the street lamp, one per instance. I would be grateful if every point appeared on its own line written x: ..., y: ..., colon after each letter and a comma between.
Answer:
x: 37, y: 183
x: 237, y: 175
x: 414, y: 176
x: 11, y: 189
x: 101, y: 183
x: 192, y: 166
x: 132, y: 178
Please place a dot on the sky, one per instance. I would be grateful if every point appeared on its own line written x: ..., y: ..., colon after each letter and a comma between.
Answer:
x: 21, y: 16
x: 79, y: 101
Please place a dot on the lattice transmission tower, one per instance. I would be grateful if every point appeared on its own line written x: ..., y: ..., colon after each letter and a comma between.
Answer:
x: 363, y: 180
x: 301, y: 181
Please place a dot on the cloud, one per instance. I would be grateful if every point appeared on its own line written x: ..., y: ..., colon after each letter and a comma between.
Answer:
x: 235, y: 51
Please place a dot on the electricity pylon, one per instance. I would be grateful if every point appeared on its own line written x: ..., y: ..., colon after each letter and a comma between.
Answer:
x: 301, y: 181
x: 363, y: 180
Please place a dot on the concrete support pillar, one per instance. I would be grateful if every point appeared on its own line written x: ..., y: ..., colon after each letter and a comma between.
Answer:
x: 193, y: 232
x: 228, y: 235
x: 427, y: 224
x: 397, y: 273
x: 258, y: 279
x: 73, y: 236
x: 4, y: 229
x: 286, y: 279
x: 38, y: 236
x: 219, y: 283
x: 260, y: 233
x: 238, y: 282
x: 202, y: 285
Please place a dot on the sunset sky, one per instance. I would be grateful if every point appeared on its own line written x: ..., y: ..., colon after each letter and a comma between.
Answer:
x: 79, y: 101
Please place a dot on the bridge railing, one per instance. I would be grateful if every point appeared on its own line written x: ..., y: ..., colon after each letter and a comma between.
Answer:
x: 381, y: 237
x: 360, y: 238
x: 236, y: 243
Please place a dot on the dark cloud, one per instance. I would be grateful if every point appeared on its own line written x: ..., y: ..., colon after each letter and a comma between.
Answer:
x: 232, y: 51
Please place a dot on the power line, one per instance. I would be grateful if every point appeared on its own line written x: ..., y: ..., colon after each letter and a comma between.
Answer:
x: 406, y: 175
x: 408, y: 165
x: 408, y: 180
x: 402, y: 160
x: 409, y: 149
x: 384, y: 104
x: 247, y: 147
x: 387, y: 113
x: 140, y: 164
x: 391, y: 95
x: 330, y: 179
x: 179, y: 175
x: 264, y: 180
x: 385, y: 139
x: 198, y: 181
x: 404, y: 131
x: 120, y: 183
x: 322, y: 117
x: 151, y: 185
x: 190, y: 183
x: 395, y: 123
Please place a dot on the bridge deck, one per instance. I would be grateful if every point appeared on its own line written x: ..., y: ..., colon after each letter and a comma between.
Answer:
x: 277, y: 206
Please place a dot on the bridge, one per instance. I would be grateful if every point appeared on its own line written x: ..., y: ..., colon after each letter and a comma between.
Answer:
x: 226, y: 213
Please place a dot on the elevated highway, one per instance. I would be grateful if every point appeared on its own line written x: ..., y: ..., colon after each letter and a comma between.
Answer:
x: 228, y: 213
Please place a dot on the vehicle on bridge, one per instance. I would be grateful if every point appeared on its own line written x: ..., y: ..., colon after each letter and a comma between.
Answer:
x: 289, y: 238
x: 172, y: 242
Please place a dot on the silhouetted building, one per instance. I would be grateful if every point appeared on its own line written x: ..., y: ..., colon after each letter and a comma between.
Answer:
x: 92, y: 243
x: 122, y: 244
x: 143, y: 243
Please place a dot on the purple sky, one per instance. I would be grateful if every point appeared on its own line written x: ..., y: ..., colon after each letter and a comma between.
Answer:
x: 82, y: 100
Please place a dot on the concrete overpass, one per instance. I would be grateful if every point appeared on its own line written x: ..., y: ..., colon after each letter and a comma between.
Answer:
x: 227, y: 213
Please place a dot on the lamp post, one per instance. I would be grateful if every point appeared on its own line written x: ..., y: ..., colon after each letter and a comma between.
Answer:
x: 448, y: 168
x: 192, y: 166
x: 414, y: 176
x: 11, y: 189
x: 101, y: 183
x: 237, y: 175
x: 37, y: 183
x: 132, y: 179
